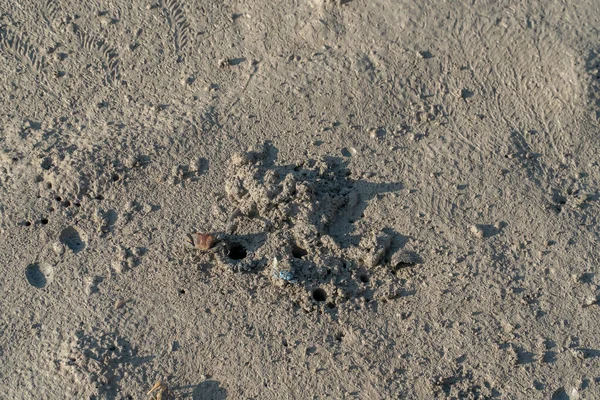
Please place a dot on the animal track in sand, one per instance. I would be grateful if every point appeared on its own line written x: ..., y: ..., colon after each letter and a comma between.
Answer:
x: 71, y: 238
x: 39, y: 275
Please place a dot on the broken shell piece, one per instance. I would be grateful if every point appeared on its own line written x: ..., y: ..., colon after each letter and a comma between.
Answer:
x: 287, y: 276
x: 204, y: 241
x: 158, y: 391
x: 283, y: 271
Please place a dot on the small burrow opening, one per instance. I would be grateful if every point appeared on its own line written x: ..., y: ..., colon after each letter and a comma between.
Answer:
x: 66, y: 203
x: 182, y: 291
x: 319, y: 294
x: 237, y: 252
x: 71, y: 238
x: 298, y: 252
x: 58, y: 198
x: 339, y: 336
x: 46, y: 163
x: 115, y: 177
x: 364, y: 278
x: 27, y: 223
x: 44, y: 221
x: 331, y: 304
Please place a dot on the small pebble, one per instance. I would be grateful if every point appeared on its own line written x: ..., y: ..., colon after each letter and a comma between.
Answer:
x: 119, y: 304
x: 477, y: 231
x: 105, y: 20
x: 119, y: 266
x: 58, y: 248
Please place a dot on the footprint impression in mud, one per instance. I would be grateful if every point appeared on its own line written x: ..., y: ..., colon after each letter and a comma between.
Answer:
x: 295, y: 224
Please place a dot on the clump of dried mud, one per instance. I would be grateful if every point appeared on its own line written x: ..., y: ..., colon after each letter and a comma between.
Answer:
x: 278, y: 221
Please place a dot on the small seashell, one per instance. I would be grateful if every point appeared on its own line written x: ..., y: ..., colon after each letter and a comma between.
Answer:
x: 204, y: 241
x: 286, y: 276
x: 282, y: 273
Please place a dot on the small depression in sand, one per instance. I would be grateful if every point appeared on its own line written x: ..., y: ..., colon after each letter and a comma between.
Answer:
x: 39, y: 275
x: 73, y: 239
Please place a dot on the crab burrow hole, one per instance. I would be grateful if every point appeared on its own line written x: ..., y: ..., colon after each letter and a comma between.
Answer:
x: 298, y: 252
x: 319, y: 295
x: 237, y: 251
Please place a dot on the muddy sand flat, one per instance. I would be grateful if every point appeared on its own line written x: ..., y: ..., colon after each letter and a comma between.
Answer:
x: 308, y: 199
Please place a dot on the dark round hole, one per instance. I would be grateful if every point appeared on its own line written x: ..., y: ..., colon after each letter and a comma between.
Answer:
x: 115, y: 177
x: 44, y: 221
x: 58, y: 198
x: 298, y: 252
x: 319, y: 295
x: 237, y: 252
x: 364, y: 278
x: 27, y: 223
x: 66, y: 203
x: 182, y: 291
x: 77, y: 204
